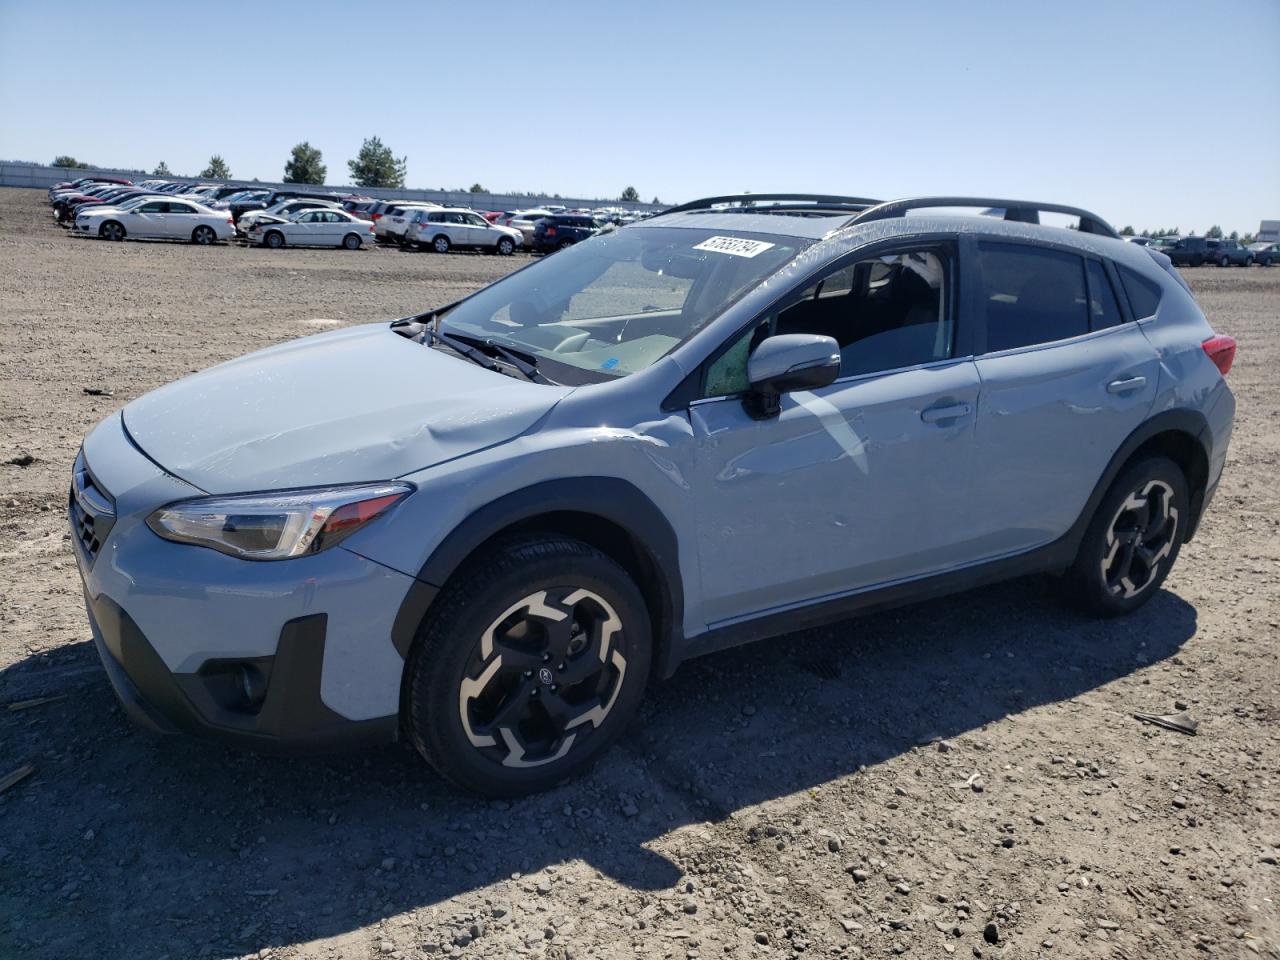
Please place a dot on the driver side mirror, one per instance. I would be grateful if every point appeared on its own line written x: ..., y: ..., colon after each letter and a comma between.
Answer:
x: 787, y: 362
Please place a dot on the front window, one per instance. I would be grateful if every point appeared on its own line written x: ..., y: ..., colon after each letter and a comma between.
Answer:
x: 621, y: 301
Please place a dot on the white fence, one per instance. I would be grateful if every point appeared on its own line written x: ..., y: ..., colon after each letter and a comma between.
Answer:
x: 38, y: 175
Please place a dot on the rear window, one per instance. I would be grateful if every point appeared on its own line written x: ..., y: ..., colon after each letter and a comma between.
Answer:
x: 1143, y: 294
x: 1031, y: 295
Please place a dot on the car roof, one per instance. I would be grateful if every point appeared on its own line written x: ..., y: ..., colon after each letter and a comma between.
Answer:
x: 844, y: 236
x: 842, y: 220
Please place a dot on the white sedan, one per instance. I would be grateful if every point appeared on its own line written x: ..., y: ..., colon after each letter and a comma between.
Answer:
x: 157, y: 218
x: 312, y: 228
x: 284, y: 210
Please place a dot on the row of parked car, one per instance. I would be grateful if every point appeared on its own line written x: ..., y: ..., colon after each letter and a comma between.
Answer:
x: 1197, y: 251
x: 114, y: 209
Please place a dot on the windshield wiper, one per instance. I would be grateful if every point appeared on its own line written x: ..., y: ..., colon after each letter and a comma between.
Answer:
x: 523, y: 362
x: 471, y: 348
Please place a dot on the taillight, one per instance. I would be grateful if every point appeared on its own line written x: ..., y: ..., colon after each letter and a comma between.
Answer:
x: 230, y: 221
x: 377, y: 216
x: 551, y: 231
x: 1222, y: 351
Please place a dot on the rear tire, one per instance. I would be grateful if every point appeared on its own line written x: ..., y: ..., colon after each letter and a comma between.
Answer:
x: 1133, y: 539
x: 565, y: 245
x: 531, y: 662
x: 203, y: 235
x: 1224, y: 262
x: 351, y: 241
x: 441, y: 244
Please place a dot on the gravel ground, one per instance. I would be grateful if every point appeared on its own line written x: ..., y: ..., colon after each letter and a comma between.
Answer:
x: 959, y: 777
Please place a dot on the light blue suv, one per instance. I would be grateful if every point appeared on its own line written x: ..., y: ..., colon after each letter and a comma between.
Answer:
x: 486, y: 528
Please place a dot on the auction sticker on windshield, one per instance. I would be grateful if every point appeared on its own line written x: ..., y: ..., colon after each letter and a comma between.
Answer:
x: 735, y: 246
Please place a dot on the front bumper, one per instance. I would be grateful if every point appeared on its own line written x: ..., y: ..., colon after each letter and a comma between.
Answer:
x: 180, y: 629
x: 289, y: 716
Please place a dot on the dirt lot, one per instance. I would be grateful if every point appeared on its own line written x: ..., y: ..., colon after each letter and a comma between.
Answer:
x: 900, y: 784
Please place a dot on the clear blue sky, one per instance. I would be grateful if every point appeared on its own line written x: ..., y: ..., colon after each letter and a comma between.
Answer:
x: 1152, y: 113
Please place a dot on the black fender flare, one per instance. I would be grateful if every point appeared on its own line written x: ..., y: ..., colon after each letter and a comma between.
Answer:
x: 1182, y: 420
x: 618, y: 502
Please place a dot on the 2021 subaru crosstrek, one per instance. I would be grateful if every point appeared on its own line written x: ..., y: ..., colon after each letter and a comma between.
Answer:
x: 488, y: 526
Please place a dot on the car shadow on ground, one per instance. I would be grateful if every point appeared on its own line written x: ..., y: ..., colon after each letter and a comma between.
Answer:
x: 183, y: 848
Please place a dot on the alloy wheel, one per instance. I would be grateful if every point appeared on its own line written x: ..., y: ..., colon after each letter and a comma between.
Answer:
x: 1141, y: 536
x: 547, y: 671
x: 204, y: 236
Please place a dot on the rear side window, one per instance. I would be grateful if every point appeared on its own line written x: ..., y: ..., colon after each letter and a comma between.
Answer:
x: 1104, y: 308
x: 1143, y: 294
x: 1031, y: 295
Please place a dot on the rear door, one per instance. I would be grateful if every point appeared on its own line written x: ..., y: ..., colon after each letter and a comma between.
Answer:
x: 182, y: 219
x: 336, y: 226
x: 1067, y: 375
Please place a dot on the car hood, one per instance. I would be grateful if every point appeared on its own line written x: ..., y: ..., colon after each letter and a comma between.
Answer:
x: 355, y: 405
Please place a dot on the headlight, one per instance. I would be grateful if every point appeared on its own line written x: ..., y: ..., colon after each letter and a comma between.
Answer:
x: 276, y: 526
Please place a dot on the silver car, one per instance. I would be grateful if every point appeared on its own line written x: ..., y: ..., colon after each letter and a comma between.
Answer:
x: 391, y: 226
x: 283, y: 210
x: 157, y: 218
x: 442, y: 230
x: 485, y: 527
x: 312, y: 228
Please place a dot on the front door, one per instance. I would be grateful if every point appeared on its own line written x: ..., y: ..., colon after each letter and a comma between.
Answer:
x: 861, y: 483
x: 150, y: 220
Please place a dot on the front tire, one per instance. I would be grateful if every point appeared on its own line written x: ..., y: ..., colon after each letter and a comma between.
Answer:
x: 111, y: 230
x: 530, y: 664
x: 1224, y: 262
x: 274, y: 240
x: 1133, y: 539
x: 506, y: 247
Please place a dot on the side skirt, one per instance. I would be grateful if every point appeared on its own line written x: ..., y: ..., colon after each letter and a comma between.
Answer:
x: 1054, y: 556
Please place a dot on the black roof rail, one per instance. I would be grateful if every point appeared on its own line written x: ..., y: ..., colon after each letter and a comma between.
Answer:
x: 1021, y: 211
x: 795, y: 202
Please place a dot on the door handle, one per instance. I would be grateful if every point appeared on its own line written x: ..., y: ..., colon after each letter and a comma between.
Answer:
x: 1126, y: 385
x: 950, y: 411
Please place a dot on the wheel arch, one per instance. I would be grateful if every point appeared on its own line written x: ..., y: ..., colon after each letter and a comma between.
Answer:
x: 1182, y: 436
x: 610, y: 514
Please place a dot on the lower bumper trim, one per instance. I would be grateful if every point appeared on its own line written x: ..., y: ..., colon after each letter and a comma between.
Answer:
x: 291, y: 717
